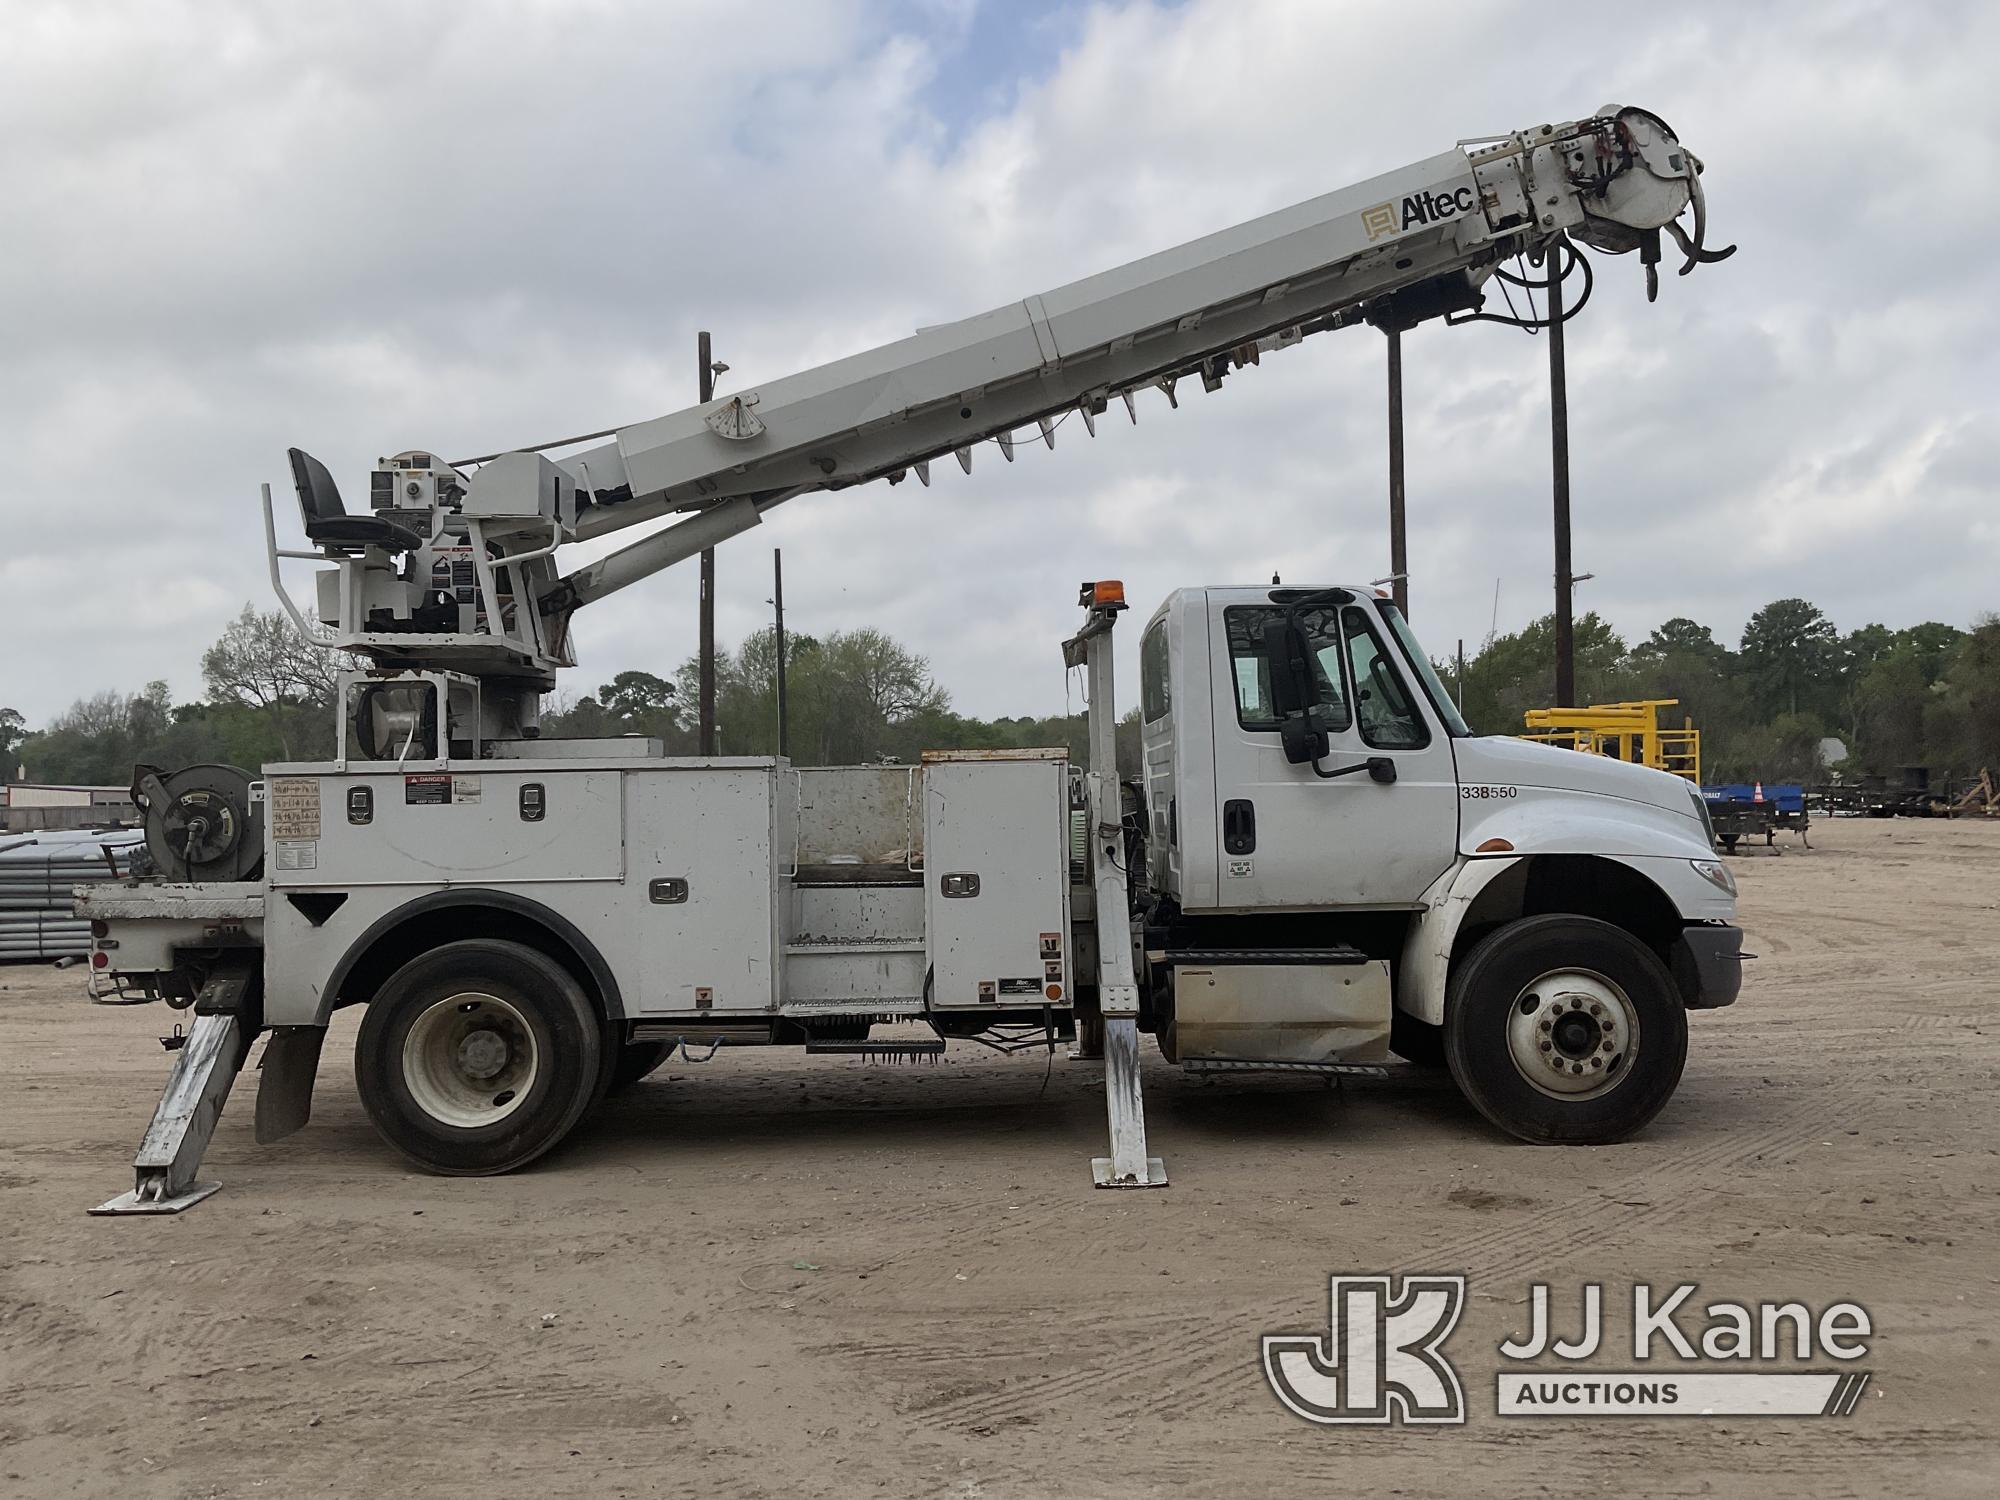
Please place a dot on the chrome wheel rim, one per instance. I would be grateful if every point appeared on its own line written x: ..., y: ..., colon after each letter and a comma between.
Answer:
x: 1573, y: 1034
x: 470, y: 1059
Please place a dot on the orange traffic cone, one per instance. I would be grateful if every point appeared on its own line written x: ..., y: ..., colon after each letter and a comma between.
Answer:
x: 1757, y: 792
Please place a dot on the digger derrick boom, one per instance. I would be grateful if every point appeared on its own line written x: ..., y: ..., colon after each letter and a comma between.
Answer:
x: 1408, y: 245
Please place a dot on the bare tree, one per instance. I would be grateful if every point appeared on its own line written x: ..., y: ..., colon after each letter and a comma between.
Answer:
x: 263, y: 660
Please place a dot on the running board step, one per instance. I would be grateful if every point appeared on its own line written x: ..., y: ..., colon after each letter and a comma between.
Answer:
x: 1330, y: 1069
x: 887, y: 1051
x: 846, y: 947
x: 1340, y: 953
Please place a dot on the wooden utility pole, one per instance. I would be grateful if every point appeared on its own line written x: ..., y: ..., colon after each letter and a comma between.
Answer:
x: 707, y: 647
x: 1559, y: 464
x: 778, y: 608
x: 1399, y: 555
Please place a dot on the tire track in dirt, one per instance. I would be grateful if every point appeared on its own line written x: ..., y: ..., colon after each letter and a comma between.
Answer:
x: 1170, y: 1366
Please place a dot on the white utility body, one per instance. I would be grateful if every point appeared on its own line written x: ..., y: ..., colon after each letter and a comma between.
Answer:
x: 1320, y: 869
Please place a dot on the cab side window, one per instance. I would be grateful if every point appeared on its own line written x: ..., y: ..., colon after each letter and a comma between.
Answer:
x: 1155, y: 699
x: 1387, y: 714
x: 1250, y: 671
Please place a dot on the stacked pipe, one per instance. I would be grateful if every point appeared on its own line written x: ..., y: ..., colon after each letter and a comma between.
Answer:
x: 39, y: 872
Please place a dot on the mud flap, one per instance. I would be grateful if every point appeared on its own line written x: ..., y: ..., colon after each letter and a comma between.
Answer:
x: 285, y: 1081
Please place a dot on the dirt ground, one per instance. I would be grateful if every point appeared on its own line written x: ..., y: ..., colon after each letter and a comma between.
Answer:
x: 779, y: 1275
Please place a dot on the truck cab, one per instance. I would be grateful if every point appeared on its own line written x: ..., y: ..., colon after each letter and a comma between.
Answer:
x: 1308, y: 787
x: 1233, y: 825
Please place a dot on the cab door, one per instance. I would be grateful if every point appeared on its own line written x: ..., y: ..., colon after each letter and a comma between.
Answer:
x: 1289, y: 837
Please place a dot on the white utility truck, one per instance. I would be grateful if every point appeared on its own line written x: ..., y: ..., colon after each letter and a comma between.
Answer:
x: 1320, y: 867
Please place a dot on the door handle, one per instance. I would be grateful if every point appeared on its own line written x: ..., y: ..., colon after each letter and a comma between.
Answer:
x: 1239, y: 826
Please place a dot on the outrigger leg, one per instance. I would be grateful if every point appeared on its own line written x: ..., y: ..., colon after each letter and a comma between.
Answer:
x: 1128, y: 1165
x: 204, y: 1068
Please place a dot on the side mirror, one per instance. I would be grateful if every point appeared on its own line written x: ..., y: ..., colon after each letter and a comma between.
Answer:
x: 1302, y: 738
x: 1295, y: 696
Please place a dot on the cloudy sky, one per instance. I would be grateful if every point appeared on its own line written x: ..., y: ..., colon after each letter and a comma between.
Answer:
x: 358, y: 228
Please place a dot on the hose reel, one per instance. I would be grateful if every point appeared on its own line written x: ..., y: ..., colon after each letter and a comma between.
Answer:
x: 201, y: 822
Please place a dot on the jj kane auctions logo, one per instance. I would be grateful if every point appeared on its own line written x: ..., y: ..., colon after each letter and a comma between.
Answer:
x: 1383, y: 1358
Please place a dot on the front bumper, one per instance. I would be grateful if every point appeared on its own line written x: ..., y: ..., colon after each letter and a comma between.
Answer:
x: 1708, y: 965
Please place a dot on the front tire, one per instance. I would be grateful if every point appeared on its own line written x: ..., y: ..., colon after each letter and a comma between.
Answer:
x: 478, y: 1056
x: 1564, y: 1030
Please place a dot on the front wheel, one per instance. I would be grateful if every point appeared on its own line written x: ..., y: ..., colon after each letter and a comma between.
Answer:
x: 1564, y: 1029
x: 478, y: 1056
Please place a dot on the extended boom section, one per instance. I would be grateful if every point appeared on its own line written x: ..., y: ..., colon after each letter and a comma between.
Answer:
x: 1412, y: 244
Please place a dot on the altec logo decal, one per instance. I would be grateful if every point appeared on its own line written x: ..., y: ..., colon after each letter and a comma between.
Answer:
x: 1417, y: 209
x: 1384, y: 1360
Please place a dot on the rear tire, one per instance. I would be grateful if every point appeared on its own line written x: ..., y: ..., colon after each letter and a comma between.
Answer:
x: 1564, y: 1030
x: 478, y: 1056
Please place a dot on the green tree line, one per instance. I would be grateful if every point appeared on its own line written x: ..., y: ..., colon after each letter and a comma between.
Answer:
x: 267, y: 696
x: 1928, y: 695
x: 1925, y: 696
x: 852, y: 697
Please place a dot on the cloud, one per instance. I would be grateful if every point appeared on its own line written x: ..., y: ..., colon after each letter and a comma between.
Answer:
x: 237, y: 227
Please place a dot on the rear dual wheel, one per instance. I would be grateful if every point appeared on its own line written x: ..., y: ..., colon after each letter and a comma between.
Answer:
x: 1565, y: 1030
x: 478, y: 1056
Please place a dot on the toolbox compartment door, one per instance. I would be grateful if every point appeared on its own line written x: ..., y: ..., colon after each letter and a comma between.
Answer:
x: 996, y: 878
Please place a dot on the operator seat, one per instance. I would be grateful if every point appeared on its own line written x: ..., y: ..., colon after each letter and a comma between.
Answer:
x: 327, y: 521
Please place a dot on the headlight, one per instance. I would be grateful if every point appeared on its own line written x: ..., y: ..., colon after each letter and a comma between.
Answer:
x: 1716, y: 873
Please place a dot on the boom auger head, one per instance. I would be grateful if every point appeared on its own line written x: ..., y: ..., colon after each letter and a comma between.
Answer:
x: 1613, y: 183
x: 453, y: 573
x: 1636, y: 179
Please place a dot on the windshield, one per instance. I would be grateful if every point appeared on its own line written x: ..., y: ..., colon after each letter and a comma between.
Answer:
x: 1454, y: 722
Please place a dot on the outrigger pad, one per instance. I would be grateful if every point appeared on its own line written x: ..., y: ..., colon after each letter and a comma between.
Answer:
x: 1100, y: 1172
x: 132, y: 1203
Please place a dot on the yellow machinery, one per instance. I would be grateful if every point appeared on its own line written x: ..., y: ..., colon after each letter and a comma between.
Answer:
x: 1626, y: 731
